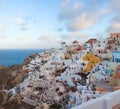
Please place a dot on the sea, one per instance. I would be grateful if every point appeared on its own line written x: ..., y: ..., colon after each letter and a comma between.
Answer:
x: 16, y: 56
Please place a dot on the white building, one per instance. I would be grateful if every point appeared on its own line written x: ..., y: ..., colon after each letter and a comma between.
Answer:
x: 116, y: 56
x: 63, y: 44
x: 114, y: 36
x: 88, y: 47
x: 100, y: 45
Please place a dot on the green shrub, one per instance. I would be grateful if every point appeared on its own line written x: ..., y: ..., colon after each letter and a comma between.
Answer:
x: 55, y: 106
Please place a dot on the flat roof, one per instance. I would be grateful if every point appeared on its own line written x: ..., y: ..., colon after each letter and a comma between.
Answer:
x: 116, y: 52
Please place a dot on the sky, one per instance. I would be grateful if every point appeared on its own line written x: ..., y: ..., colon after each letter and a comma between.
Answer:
x: 36, y: 24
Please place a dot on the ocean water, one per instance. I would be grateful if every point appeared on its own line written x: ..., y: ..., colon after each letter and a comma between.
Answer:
x: 11, y: 57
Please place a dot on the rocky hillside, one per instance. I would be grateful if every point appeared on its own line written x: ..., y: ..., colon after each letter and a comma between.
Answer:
x: 13, y: 75
x: 9, y: 78
x: 9, y: 102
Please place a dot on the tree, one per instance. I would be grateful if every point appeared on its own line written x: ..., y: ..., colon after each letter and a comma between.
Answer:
x: 55, y: 106
x: 92, y: 61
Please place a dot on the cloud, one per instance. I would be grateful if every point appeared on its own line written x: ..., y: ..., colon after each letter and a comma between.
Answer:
x: 81, y: 37
x: 3, y: 36
x: 115, y: 5
x: 36, y: 44
x: 51, y: 40
x: 114, y: 27
x: 42, y: 44
x: 114, y: 23
x: 69, y: 10
x: 2, y: 28
x: 81, y: 22
x: 59, y: 29
x: 46, y: 37
x: 77, y: 15
x: 99, y: 35
x: 21, y: 23
x: 23, y: 27
x: 93, y: 5
x: 26, y: 37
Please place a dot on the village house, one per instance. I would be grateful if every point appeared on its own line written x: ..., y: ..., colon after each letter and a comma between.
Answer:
x: 99, y: 46
x: 71, y: 72
x: 114, y: 36
x: 63, y: 44
x: 113, y: 42
x: 73, y: 48
x: 116, y: 56
x: 89, y: 44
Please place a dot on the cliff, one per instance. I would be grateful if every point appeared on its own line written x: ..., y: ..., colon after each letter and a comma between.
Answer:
x: 9, y: 102
x: 9, y: 78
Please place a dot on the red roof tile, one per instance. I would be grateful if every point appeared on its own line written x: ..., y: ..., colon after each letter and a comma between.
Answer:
x: 91, y: 41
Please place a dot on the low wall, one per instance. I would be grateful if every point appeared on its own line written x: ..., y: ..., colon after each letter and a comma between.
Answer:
x: 108, y: 101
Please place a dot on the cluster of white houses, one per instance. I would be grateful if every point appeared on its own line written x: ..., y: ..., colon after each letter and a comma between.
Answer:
x: 57, y: 76
x: 99, y: 46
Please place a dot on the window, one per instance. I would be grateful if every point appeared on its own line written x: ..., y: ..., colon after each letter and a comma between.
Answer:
x: 114, y: 38
x: 117, y: 36
x: 118, y: 71
x: 99, y: 51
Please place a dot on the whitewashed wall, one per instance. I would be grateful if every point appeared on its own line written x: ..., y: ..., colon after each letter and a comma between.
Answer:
x: 105, y: 102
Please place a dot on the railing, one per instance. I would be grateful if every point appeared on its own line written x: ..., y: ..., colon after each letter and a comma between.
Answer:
x: 108, y: 101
